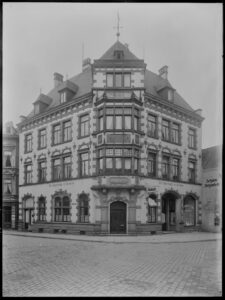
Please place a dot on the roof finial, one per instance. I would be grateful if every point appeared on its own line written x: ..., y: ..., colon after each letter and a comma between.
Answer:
x: 118, y: 26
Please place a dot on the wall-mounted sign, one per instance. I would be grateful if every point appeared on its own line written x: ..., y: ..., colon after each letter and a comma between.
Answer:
x: 211, y: 182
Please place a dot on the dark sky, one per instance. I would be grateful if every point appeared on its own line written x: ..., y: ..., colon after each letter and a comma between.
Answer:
x: 42, y: 38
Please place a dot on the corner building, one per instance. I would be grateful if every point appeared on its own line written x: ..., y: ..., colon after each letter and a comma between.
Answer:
x: 114, y: 149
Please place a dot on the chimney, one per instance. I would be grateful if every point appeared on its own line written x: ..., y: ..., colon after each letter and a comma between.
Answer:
x: 86, y: 64
x: 163, y: 72
x: 58, y: 79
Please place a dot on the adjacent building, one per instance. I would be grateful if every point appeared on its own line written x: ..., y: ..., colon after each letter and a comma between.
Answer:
x: 10, y: 176
x: 212, y: 189
x: 114, y: 149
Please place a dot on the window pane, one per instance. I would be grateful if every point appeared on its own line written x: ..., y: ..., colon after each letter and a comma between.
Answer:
x: 118, y: 162
x: 109, y: 152
x: 118, y: 122
x: 109, y: 80
x: 118, y: 80
x: 127, y: 80
x: 109, y: 122
x: 101, y: 123
x: 109, y: 163
x: 127, y: 163
x: 135, y: 123
x: 127, y: 122
x: 118, y: 152
x: 189, y: 211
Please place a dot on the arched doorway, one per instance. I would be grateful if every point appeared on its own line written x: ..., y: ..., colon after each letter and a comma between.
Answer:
x: 169, y: 211
x: 118, y: 217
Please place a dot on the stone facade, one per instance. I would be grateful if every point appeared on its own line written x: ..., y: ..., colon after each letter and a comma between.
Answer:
x: 10, y: 176
x: 113, y: 186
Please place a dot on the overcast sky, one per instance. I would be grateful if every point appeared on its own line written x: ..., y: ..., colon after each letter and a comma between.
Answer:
x: 42, y: 38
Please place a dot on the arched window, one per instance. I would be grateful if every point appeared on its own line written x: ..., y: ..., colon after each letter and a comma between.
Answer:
x: 83, y: 209
x: 41, y: 209
x: 62, y: 208
x: 189, y: 211
x: 152, y: 205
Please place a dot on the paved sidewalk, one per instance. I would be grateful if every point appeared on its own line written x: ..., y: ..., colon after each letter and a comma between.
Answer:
x: 156, y: 239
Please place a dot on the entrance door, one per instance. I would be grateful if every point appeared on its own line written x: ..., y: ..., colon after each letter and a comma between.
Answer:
x: 118, y: 217
x: 169, y: 211
x: 28, y: 217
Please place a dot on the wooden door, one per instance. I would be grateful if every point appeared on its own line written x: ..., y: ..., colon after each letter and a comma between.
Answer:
x: 118, y: 217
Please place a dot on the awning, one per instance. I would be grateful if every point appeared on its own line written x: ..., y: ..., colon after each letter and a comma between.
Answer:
x: 151, y: 202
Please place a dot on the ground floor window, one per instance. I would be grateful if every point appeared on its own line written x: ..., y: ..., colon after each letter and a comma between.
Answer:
x: 152, y: 205
x: 62, y: 208
x: 41, y: 209
x: 83, y: 208
x: 189, y: 211
x: 7, y: 214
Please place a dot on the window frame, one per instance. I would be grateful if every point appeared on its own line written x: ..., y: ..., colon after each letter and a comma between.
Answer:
x: 28, y: 143
x: 41, y: 209
x: 84, y: 163
x: 153, y: 164
x: 7, y: 186
x: 150, y: 123
x: 28, y: 174
x: 83, y: 210
x: 192, y: 138
x: 192, y: 179
x: 59, y: 217
x: 40, y: 137
x: 82, y: 123
x: 42, y: 171
x: 114, y: 83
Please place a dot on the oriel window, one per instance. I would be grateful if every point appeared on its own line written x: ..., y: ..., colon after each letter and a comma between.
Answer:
x: 8, y: 158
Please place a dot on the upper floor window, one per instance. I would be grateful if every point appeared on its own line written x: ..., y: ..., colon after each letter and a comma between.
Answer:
x: 62, y: 167
x: 100, y: 119
x: 118, y: 80
x: 41, y: 209
x: 28, y: 143
x: 63, y: 97
x: 175, y: 133
x: 84, y: 125
x: 67, y: 132
x: 7, y: 188
x: 175, y: 168
x: 28, y: 173
x: 151, y: 164
x: 84, y: 164
x: 151, y: 126
x: 165, y: 167
x: 57, y: 170
x: 62, y: 208
x: 56, y: 134
x: 136, y: 119
x: 42, y: 171
x: 192, y: 138
x: 191, y: 171
x: 67, y: 167
x: 118, y: 118
x: 7, y: 158
x: 165, y: 130
x: 42, y: 138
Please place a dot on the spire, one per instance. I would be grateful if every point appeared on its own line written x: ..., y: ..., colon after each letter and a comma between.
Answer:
x: 118, y: 26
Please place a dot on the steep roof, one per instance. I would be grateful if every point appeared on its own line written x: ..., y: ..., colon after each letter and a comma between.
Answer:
x: 109, y: 54
x: 212, y: 157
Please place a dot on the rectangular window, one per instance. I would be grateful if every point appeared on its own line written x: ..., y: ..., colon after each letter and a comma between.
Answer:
x: 118, y: 164
x: 67, y: 167
x: 42, y: 138
x: 175, y: 133
x: 127, y: 79
x: 109, y: 164
x: 100, y: 161
x: 84, y: 125
x: 67, y: 132
x: 42, y: 171
x: 151, y: 125
x: 109, y: 122
x: 191, y: 138
x: 127, y: 122
x: 84, y: 164
x: 191, y: 171
x: 165, y: 167
x: 175, y: 169
x: 118, y: 80
x: 118, y: 122
x: 28, y: 143
x: 41, y: 209
x: 56, y: 134
x: 7, y: 187
x: 151, y: 214
x: 57, y: 169
x: 136, y: 119
x: 165, y: 130
x: 62, y: 97
x: 109, y: 80
x: 28, y: 174
x: 8, y: 158
x: 151, y: 164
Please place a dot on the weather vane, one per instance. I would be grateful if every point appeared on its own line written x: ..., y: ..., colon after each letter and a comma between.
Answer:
x: 118, y: 26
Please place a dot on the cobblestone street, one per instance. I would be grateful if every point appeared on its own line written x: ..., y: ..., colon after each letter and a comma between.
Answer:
x: 36, y: 266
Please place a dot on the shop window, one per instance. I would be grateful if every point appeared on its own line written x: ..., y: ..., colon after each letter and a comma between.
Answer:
x: 152, y: 206
x: 62, y: 209
x: 41, y: 209
x: 83, y: 207
x: 189, y: 211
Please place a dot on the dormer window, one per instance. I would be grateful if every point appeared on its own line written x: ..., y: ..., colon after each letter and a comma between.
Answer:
x: 63, y: 97
x: 118, y: 54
